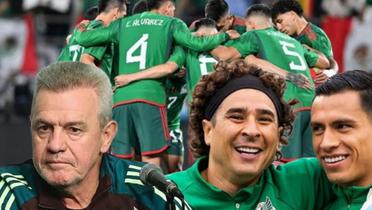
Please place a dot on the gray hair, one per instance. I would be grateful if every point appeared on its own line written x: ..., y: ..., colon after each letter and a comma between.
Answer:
x: 64, y: 76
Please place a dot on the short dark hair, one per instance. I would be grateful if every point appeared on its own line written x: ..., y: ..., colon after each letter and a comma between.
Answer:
x: 107, y: 5
x: 205, y: 22
x: 155, y: 4
x: 139, y: 7
x: 215, y: 9
x: 355, y: 80
x: 283, y: 6
x: 259, y: 9
x: 209, y: 84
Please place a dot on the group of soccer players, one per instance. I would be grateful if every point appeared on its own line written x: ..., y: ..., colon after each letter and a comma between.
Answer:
x: 154, y: 62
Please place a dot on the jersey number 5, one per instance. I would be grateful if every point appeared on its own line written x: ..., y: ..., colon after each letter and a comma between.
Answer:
x: 141, y: 58
x: 288, y: 50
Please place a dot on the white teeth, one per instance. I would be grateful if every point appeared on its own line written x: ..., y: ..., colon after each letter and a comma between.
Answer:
x: 247, y: 149
x: 334, y: 159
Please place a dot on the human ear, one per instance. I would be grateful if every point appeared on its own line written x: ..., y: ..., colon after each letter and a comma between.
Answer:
x: 208, y: 130
x: 108, y: 134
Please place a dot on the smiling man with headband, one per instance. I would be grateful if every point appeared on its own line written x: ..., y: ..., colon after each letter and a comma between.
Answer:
x: 237, y: 120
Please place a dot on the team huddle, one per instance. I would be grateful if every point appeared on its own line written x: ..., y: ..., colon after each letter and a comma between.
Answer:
x: 154, y: 62
x: 259, y: 91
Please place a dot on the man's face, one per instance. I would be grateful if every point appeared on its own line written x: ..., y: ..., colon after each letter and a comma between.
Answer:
x: 285, y: 23
x: 225, y: 22
x: 168, y: 9
x: 67, y: 139
x: 251, y: 22
x: 342, y: 138
x: 206, y: 31
x: 245, y: 136
x: 119, y: 12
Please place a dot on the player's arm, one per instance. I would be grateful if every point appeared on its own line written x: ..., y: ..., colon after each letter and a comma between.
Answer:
x: 92, y: 55
x: 87, y: 59
x: 233, y: 49
x: 311, y: 54
x: 333, y: 65
x: 175, y: 62
x: 225, y: 53
x: 185, y: 38
x: 150, y: 73
x: 102, y: 35
x: 297, y: 79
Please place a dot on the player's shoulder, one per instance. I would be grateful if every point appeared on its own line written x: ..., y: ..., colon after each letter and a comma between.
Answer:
x: 125, y: 177
x: 18, y: 183
x: 94, y: 24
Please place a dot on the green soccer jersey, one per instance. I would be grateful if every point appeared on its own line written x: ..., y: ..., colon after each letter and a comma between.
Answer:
x: 120, y: 188
x: 103, y: 54
x: 73, y: 51
x: 239, y: 25
x: 284, y: 52
x: 197, y: 65
x: 299, y: 185
x: 176, y: 93
x: 316, y: 38
x: 144, y: 40
x: 351, y: 198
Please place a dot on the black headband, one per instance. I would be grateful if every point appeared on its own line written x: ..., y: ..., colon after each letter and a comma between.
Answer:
x: 246, y: 81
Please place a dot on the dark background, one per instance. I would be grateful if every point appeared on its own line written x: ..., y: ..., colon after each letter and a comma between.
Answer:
x: 15, y: 142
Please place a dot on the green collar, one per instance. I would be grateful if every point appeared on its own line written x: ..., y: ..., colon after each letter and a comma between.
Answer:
x: 252, y: 192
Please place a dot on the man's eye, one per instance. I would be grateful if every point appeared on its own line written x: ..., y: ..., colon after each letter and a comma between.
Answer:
x: 343, y: 127
x: 317, y: 130
x: 74, y: 130
x: 265, y: 119
x: 236, y: 117
x: 43, y: 128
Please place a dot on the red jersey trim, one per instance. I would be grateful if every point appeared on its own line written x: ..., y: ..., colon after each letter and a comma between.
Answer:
x: 302, y: 109
x: 138, y: 101
x: 154, y: 152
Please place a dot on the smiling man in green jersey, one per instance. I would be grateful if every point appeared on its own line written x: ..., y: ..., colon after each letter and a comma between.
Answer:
x: 342, y: 133
x: 263, y: 41
x: 109, y: 10
x: 144, y: 40
x: 237, y: 123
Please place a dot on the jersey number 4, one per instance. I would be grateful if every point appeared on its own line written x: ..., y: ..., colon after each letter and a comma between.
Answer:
x: 141, y: 58
x: 288, y: 49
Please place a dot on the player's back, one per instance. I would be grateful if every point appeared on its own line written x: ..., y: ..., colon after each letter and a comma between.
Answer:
x: 316, y: 38
x: 287, y: 53
x: 73, y: 51
x: 145, y: 41
x: 198, y: 64
x: 148, y: 41
x: 281, y: 50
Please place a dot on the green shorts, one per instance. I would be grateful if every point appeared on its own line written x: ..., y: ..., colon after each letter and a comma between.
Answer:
x: 175, y: 143
x: 142, y: 129
x: 300, y: 142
